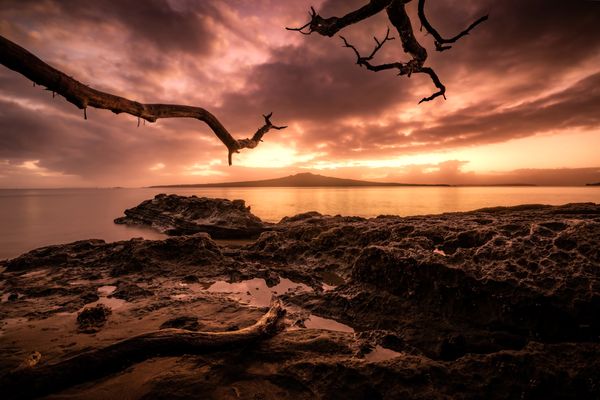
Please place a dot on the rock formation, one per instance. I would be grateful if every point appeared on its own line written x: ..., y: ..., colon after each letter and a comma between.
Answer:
x: 496, y: 303
x: 179, y: 215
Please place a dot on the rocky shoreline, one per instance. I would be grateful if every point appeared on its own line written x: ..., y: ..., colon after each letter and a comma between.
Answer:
x: 177, y: 215
x: 495, y: 303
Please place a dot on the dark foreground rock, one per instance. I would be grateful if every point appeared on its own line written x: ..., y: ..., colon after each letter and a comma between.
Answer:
x: 499, y: 303
x: 180, y: 215
x: 92, y: 319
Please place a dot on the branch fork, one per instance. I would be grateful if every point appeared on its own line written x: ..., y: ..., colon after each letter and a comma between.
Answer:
x: 255, y: 139
x: 324, y: 26
x: 401, y: 21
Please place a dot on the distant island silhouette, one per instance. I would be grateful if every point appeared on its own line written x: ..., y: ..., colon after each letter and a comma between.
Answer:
x: 298, y: 180
x: 500, y: 185
x: 593, y: 184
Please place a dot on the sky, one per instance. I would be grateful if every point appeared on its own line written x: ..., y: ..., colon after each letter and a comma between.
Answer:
x: 523, y: 94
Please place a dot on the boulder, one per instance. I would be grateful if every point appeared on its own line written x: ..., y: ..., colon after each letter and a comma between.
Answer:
x: 179, y: 215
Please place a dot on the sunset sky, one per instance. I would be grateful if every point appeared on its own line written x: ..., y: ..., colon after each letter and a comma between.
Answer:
x: 523, y: 94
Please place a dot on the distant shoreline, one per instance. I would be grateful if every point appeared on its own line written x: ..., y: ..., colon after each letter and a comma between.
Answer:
x: 299, y: 180
x: 314, y: 180
x: 194, y: 186
x: 309, y: 180
x: 235, y: 185
x: 241, y: 185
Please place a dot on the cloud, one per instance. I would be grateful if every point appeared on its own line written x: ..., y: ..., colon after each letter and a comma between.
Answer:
x: 572, y: 108
x: 166, y: 25
x: 454, y: 172
x: 531, y: 69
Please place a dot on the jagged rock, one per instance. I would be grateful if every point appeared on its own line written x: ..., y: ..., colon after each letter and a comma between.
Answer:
x: 514, y: 273
x: 190, y: 279
x: 122, y: 258
x: 89, y: 297
x: 495, y: 303
x: 179, y: 215
x: 129, y: 292
x: 92, y: 319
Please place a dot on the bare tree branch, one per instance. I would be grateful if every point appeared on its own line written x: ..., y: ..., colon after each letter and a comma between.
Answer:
x: 439, y: 40
x: 22, y: 61
x: 436, y: 82
x: 399, y: 18
x: 310, y: 24
x: 364, y: 61
x: 330, y: 26
x: 257, y: 137
x: 403, y: 68
x: 42, y: 380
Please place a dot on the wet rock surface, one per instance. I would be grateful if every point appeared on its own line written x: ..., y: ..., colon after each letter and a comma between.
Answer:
x: 179, y: 215
x: 497, y: 303
x: 92, y: 319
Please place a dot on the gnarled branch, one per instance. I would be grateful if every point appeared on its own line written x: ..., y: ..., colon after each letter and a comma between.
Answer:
x: 330, y: 26
x: 257, y: 137
x: 378, y: 45
x: 45, y: 379
x: 364, y: 61
x: 399, y: 18
x: 22, y: 61
x: 403, y: 68
x: 439, y: 40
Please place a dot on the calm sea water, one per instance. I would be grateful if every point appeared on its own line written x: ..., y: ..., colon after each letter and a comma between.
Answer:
x: 40, y: 217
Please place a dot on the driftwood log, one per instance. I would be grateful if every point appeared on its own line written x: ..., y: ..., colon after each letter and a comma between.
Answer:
x: 37, y: 381
x: 22, y: 61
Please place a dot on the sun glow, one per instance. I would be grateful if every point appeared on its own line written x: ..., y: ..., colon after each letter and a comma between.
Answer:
x: 204, y: 169
x: 157, y: 167
x: 273, y: 155
x: 33, y: 167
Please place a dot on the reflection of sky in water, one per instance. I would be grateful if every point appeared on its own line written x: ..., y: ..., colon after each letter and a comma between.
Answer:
x: 255, y: 291
x: 315, y: 322
x: 112, y: 302
x: 379, y: 354
x: 106, y: 290
x: 33, y: 218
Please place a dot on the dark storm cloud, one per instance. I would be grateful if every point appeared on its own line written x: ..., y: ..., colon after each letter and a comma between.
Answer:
x: 166, y: 25
x: 550, y: 33
x: 528, y: 69
x: 21, y: 136
x: 315, y: 82
x: 572, y: 108
x: 522, y: 51
x: 89, y: 148
x: 526, y: 45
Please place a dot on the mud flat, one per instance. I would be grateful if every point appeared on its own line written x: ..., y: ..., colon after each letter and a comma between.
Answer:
x: 496, y: 303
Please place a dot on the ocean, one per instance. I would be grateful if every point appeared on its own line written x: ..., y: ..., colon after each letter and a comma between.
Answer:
x: 31, y: 218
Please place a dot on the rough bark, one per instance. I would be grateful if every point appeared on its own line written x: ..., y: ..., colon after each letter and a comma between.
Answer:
x: 399, y: 18
x: 35, y: 382
x: 22, y: 61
